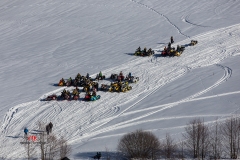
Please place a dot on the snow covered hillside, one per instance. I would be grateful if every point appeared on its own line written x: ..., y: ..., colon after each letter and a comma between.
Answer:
x: 43, y: 41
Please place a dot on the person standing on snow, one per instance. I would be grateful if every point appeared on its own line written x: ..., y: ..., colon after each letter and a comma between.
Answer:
x: 87, y: 76
x: 120, y: 74
x: 25, y: 131
x: 171, y: 39
x: 178, y: 48
x: 129, y: 75
x: 100, y: 75
x: 50, y: 127
x: 47, y: 129
x: 169, y: 46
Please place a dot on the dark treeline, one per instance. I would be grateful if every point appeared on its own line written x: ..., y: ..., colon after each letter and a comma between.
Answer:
x: 221, y: 140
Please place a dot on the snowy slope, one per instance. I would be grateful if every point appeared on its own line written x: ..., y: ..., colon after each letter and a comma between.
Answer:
x: 45, y: 40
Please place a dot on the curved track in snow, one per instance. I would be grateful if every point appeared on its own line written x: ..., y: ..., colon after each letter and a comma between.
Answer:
x: 164, y: 16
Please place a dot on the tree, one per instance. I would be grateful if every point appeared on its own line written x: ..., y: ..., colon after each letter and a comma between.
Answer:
x: 50, y: 146
x: 181, y: 154
x: 30, y: 149
x: 231, y: 131
x: 197, y: 138
x: 108, y: 157
x: 42, y: 139
x: 215, y: 142
x: 168, y: 147
x: 139, y: 144
x: 64, y: 148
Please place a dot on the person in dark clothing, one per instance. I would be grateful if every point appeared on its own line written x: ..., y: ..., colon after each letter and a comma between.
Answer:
x: 50, y: 127
x: 94, y: 92
x: 129, y: 75
x: 119, y: 79
x: 139, y: 49
x: 169, y: 45
x: 100, y: 75
x: 97, y: 86
x: 172, y: 41
x: 120, y: 74
x: 98, y: 155
x: 87, y: 76
x: 25, y: 131
x: 47, y: 129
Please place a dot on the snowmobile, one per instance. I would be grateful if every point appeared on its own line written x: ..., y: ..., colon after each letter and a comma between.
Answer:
x: 65, y: 95
x: 90, y: 97
x: 86, y: 88
x: 150, y: 52
x: 105, y: 87
x: 164, y: 53
x: 75, y: 94
x: 179, y: 51
x: 119, y: 87
x: 173, y: 52
x: 75, y: 97
x: 51, y: 97
x: 144, y: 52
x: 120, y: 77
x: 193, y: 42
x: 69, y: 82
x: 100, y: 76
x: 132, y: 79
x: 125, y: 87
x: 114, y: 87
x: 62, y: 82
x: 114, y: 76
x: 138, y: 51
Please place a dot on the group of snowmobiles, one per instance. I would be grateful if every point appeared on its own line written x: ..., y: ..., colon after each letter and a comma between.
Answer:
x: 144, y: 52
x: 89, y: 86
x: 193, y: 42
x: 80, y: 80
x: 172, y: 51
x: 167, y: 51
x: 65, y: 95
x: 121, y: 86
x: 119, y: 83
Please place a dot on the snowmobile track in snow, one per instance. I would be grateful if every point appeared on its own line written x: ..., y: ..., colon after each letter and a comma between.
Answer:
x: 162, y: 15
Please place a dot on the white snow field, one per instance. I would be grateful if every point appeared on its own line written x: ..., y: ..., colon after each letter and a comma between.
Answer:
x: 42, y: 41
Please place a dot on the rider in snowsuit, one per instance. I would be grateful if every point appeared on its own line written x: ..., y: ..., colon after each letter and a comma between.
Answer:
x: 100, y: 75
x: 87, y: 76
x: 25, y: 131
x: 171, y: 39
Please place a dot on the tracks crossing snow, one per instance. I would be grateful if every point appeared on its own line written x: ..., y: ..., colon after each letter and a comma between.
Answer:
x: 86, y: 120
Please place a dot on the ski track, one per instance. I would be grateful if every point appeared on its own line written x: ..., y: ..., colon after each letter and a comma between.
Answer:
x: 169, y: 118
x: 218, y: 9
x: 162, y: 15
x: 224, y: 78
x: 173, y: 103
x: 186, y: 20
x: 124, y: 124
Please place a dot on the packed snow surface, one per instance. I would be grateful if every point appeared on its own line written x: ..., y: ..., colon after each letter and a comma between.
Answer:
x: 43, y: 41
